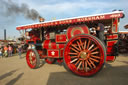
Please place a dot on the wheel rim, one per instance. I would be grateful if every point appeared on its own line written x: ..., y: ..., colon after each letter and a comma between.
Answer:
x: 50, y: 60
x: 84, y: 55
x: 31, y: 59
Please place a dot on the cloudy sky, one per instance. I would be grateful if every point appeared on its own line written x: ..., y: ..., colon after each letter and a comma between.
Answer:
x: 13, y: 12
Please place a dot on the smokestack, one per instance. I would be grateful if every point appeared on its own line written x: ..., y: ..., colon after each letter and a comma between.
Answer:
x: 4, y: 34
x: 41, y: 19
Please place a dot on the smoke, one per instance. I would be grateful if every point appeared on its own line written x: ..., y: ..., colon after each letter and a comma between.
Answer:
x: 10, y: 8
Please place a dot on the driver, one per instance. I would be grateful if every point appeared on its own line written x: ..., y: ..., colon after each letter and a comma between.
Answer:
x: 100, y: 32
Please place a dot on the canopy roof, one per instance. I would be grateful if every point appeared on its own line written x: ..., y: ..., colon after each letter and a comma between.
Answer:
x: 105, y: 16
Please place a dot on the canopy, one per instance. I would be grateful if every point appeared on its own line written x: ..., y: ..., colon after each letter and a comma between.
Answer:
x: 105, y: 16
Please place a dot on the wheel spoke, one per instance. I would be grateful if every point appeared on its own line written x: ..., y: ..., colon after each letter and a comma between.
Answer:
x: 88, y: 44
x: 74, y: 56
x: 85, y: 44
x: 33, y: 61
x: 94, y: 60
x: 78, y: 45
x: 83, y: 64
x: 74, y: 60
x: 81, y: 44
x: 94, y: 49
x: 33, y: 58
x: 86, y: 66
x: 91, y: 47
x: 74, y: 50
x: 74, y: 44
x: 92, y: 63
x: 30, y: 58
x: 30, y: 54
x: 89, y: 64
x: 77, y: 62
x: 73, y: 53
x: 95, y: 52
x: 98, y: 57
x: 79, y: 65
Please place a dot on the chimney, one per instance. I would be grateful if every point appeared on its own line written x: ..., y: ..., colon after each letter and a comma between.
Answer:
x: 41, y: 19
x: 4, y: 34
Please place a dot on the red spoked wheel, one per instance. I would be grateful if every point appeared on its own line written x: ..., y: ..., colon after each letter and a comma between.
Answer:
x: 50, y: 60
x: 84, y: 55
x: 32, y: 58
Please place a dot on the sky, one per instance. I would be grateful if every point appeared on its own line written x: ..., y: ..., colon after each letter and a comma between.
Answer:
x: 58, y: 9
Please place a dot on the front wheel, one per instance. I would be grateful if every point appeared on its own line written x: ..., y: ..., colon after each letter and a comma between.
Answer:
x: 32, y: 58
x: 84, y: 55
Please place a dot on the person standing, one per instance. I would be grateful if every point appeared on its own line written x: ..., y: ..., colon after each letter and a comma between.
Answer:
x: 0, y: 52
x: 30, y: 46
x: 33, y: 47
x: 100, y: 32
x: 9, y: 50
x: 19, y: 51
x: 5, y: 51
x: 2, y: 48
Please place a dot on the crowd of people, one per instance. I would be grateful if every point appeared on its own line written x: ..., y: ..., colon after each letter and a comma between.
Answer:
x: 10, y: 50
x: 6, y: 51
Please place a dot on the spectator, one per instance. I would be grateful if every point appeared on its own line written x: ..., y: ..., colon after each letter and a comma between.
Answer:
x: 30, y: 46
x: 0, y: 52
x: 10, y: 50
x: 19, y: 51
x: 5, y: 51
x: 33, y: 47
x: 2, y: 48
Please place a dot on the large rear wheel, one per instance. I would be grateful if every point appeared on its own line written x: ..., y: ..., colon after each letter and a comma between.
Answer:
x: 84, y: 55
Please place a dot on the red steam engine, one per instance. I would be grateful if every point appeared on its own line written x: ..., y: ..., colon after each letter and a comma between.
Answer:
x: 73, y: 42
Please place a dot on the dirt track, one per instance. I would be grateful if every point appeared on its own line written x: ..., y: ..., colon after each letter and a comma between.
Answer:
x: 14, y: 71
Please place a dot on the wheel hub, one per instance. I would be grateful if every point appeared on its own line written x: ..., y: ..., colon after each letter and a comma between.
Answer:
x: 83, y: 55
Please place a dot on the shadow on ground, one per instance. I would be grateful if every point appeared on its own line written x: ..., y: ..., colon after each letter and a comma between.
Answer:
x: 107, y: 76
x: 13, y: 81
x: 7, y: 74
x: 126, y: 62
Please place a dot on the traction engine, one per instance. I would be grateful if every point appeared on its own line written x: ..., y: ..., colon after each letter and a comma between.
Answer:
x: 73, y: 42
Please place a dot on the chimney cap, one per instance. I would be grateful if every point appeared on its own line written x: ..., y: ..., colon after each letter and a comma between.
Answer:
x: 41, y: 19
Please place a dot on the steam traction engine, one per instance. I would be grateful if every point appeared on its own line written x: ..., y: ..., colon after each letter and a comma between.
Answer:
x: 73, y: 42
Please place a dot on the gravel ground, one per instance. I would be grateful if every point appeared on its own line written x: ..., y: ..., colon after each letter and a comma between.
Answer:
x: 14, y: 71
